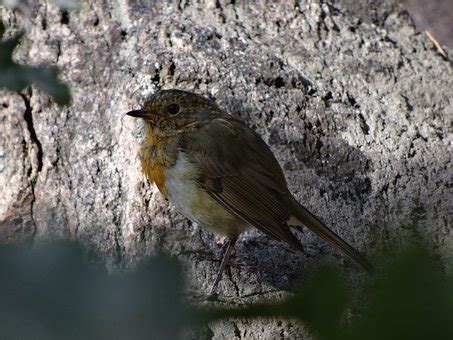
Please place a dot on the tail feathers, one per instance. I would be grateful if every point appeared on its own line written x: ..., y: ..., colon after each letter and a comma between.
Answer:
x: 310, y: 221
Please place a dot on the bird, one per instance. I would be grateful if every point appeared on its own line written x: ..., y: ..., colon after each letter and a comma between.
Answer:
x: 220, y: 173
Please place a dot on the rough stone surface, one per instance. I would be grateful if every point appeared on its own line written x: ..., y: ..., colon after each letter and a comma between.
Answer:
x: 358, y: 114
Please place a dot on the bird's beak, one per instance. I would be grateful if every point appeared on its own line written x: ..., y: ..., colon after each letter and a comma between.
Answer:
x: 142, y: 113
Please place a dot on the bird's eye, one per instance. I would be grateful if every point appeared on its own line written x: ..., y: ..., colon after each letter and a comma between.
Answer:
x: 173, y: 109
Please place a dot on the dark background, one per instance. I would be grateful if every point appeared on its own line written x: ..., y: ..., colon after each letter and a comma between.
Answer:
x: 435, y: 16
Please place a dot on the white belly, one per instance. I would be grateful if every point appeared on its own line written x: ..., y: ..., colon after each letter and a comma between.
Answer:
x: 195, y: 203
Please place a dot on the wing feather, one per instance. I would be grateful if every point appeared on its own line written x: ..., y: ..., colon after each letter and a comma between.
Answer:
x: 240, y: 172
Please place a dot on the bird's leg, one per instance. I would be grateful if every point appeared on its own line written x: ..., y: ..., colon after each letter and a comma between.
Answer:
x: 226, y: 256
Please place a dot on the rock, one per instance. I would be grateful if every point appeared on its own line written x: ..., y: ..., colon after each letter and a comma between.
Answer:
x: 357, y: 114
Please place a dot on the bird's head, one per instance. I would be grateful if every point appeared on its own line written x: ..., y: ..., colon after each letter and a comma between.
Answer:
x: 169, y: 112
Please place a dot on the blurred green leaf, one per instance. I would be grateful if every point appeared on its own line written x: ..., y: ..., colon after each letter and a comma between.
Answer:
x: 54, y: 292
x: 324, y: 299
x: 410, y: 298
x: 320, y: 304
x: 17, y: 77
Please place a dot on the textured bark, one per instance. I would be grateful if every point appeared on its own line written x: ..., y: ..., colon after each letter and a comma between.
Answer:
x: 358, y: 114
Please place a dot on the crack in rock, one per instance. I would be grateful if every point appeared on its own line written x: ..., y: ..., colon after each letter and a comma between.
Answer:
x: 36, y: 162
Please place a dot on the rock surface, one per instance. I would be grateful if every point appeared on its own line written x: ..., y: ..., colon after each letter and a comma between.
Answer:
x: 358, y: 115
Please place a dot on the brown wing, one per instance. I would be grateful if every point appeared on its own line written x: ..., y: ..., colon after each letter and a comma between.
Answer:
x: 240, y: 172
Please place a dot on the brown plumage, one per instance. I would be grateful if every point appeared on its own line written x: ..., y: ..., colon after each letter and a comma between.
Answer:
x: 221, y: 174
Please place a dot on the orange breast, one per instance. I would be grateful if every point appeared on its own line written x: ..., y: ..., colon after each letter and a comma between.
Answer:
x: 155, y: 172
x: 156, y: 157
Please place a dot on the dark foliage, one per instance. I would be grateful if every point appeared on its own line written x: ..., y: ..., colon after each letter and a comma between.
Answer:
x: 53, y: 292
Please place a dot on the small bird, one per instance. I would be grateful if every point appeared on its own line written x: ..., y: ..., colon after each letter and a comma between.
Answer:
x: 220, y: 173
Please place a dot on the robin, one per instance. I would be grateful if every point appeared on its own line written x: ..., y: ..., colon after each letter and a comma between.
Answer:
x: 220, y: 173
